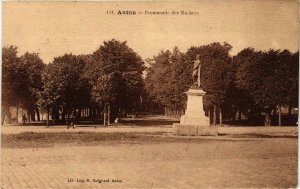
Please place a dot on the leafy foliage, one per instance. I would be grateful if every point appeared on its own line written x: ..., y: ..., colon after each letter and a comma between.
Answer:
x: 216, y: 71
x: 168, y: 78
x: 64, y: 87
x: 33, y: 67
x: 115, y: 73
x: 12, y: 76
x: 267, y: 76
x: 251, y: 82
x: 21, y: 79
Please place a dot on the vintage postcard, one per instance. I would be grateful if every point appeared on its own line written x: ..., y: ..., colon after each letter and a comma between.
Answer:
x: 149, y: 94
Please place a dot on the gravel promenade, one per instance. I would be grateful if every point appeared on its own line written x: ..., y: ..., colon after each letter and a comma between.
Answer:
x: 257, y: 163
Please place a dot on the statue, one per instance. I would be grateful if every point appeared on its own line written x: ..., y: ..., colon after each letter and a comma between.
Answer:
x: 196, y: 71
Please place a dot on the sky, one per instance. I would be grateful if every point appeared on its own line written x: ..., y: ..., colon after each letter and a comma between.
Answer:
x: 55, y: 28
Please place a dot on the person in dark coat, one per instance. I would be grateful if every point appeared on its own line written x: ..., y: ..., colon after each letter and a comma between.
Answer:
x: 24, y: 119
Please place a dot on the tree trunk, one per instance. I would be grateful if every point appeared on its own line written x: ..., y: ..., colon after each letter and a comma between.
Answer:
x: 32, y: 114
x: 55, y: 115
x: 17, y: 114
x: 279, y: 115
x: 105, y: 116
x: 221, y: 117
x: 79, y: 112
x: 274, y: 111
x: 3, y: 117
x: 4, y: 112
x: 267, y: 119
x: 38, y: 114
x: 215, y: 116
x: 63, y: 115
x: 209, y: 117
x: 108, y: 115
x: 290, y: 110
x: 94, y: 112
x: 239, y: 115
x: 273, y: 114
x: 48, y: 114
x: 8, y: 115
x: 91, y: 112
x: 28, y: 115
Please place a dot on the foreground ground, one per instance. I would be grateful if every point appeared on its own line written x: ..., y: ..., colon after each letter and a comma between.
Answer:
x: 146, y: 157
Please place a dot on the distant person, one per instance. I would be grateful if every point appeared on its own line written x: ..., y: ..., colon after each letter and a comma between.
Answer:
x: 24, y: 119
x: 267, y: 120
x: 74, y: 119
x: 117, y: 121
x: 71, y: 120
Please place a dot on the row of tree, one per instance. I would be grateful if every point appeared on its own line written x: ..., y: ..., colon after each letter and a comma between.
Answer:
x: 114, y: 80
x: 109, y: 79
x: 21, y: 80
x: 251, y: 83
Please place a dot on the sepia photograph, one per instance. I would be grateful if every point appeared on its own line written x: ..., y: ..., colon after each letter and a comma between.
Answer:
x: 149, y: 94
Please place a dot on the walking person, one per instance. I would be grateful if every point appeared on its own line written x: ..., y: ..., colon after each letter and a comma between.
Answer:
x: 116, y: 121
x: 68, y: 121
x: 74, y: 119
x: 24, y: 119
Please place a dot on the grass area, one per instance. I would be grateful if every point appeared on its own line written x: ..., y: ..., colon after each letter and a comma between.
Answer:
x: 152, y: 121
x: 49, y: 139
x: 40, y: 140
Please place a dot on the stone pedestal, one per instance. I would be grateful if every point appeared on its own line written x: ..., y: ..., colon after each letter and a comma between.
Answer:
x: 194, y: 122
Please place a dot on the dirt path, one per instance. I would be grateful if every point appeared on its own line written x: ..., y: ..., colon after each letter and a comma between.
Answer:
x: 262, y: 163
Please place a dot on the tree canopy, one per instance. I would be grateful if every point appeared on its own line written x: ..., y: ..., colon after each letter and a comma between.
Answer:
x: 64, y: 84
x: 168, y: 78
x: 21, y: 79
x: 115, y: 73
x: 252, y: 82
x: 115, y: 76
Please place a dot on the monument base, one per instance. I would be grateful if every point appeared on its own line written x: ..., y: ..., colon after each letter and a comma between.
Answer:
x: 194, y: 122
x: 194, y: 130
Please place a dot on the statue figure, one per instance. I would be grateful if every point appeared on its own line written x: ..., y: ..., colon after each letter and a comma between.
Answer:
x: 196, y: 71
